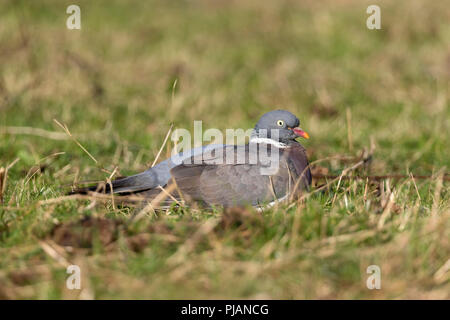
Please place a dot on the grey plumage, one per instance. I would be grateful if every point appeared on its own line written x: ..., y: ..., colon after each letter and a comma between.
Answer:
x: 159, y: 175
x: 243, y: 183
x: 206, y: 176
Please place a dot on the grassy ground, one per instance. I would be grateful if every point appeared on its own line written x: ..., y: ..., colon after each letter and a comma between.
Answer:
x: 112, y: 83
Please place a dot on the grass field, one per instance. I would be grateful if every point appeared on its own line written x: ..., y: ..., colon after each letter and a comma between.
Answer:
x: 135, y: 67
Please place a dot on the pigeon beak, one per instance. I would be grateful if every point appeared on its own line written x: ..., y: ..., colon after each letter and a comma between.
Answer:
x: 299, y: 132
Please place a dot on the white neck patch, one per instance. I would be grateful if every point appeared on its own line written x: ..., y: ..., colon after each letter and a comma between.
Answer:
x: 268, y: 141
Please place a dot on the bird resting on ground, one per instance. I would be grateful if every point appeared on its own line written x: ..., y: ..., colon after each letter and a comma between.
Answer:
x: 270, y: 168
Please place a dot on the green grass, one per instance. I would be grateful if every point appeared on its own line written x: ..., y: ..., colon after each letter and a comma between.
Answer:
x: 112, y: 83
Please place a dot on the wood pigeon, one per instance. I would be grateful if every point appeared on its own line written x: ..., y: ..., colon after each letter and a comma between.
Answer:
x: 270, y: 168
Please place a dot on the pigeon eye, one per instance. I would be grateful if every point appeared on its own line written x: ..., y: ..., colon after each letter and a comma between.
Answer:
x: 280, y: 123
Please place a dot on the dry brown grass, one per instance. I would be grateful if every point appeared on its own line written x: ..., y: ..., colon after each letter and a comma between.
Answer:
x: 135, y: 69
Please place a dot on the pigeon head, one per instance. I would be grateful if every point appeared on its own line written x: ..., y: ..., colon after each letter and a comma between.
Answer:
x: 279, y: 125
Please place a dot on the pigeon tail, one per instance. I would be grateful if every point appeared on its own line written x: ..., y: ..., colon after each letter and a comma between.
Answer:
x: 159, y: 175
x: 139, y: 182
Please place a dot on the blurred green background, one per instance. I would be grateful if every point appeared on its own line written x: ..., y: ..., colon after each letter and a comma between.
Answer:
x: 137, y: 66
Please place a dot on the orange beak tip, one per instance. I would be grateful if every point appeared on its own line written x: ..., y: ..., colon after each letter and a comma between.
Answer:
x: 299, y: 132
